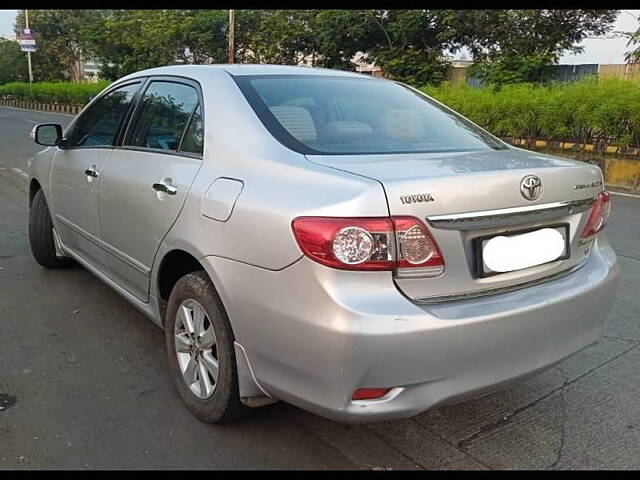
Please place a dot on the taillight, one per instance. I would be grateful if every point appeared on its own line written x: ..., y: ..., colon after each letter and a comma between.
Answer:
x: 599, y: 216
x: 419, y: 255
x: 398, y: 243
x: 346, y: 243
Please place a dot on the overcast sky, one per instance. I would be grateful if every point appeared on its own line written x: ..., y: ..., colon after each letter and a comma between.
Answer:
x: 609, y: 50
x: 6, y: 22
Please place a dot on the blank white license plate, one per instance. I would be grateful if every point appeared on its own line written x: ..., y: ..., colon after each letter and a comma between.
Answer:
x: 522, y: 249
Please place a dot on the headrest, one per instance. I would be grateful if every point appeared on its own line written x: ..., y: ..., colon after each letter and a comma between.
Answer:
x: 297, y: 121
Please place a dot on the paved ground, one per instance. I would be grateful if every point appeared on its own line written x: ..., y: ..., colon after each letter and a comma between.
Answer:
x: 84, y: 383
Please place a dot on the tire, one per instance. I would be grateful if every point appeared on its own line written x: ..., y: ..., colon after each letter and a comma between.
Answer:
x: 41, y: 234
x: 193, y: 291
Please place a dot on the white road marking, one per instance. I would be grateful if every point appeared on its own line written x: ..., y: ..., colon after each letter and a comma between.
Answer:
x: 18, y: 118
x: 624, y: 194
x: 26, y: 120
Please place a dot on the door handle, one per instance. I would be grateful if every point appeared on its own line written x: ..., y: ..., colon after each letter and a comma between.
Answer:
x: 165, y: 188
x: 92, y: 172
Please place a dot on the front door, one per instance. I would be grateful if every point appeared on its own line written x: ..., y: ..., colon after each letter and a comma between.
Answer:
x: 146, y: 180
x: 75, y: 177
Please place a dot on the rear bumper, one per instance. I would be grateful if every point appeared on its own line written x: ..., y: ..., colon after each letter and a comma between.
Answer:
x: 314, y: 335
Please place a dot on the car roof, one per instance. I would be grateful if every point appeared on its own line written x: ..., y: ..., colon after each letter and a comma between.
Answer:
x: 202, y: 71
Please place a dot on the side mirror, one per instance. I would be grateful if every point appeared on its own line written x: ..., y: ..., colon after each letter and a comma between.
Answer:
x: 47, y: 134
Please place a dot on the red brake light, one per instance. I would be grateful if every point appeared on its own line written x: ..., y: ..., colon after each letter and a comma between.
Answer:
x: 599, y: 216
x: 368, y: 243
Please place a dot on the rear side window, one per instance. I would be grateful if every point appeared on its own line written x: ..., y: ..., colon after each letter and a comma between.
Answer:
x: 194, y: 136
x: 99, y: 125
x: 163, y: 116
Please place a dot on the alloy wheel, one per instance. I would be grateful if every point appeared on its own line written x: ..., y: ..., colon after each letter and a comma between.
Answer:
x: 195, y: 342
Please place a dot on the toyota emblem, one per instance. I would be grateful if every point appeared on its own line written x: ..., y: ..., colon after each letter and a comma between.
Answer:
x: 531, y: 187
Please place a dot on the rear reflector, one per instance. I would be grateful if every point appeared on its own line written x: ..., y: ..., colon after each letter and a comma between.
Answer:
x: 370, y: 393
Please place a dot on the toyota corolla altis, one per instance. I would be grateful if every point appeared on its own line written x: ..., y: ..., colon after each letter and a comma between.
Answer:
x: 336, y: 241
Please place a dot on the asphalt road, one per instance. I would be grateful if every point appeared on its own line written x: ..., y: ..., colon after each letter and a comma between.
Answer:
x: 84, y: 381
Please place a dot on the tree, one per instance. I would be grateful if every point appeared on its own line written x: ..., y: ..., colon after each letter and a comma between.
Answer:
x: 13, y: 62
x: 125, y: 41
x: 507, y: 45
x: 272, y: 36
x: 338, y: 35
x: 59, y: 42
x: 633, y: 56
x: 516, y: 45
x: 410, y: 45
x: 634, y: 41
x: 204, y: 36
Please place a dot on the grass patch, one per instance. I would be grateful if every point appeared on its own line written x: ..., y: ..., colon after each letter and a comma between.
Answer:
x: 52, y: 92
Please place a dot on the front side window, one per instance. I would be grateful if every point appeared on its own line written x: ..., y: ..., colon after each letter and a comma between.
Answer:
x: 163, y: 116
x: 99, y: 125
x: 349, y: 115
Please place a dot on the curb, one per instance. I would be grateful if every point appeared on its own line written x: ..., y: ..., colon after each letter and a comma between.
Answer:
x: 622, y: 173
x: 66, y: 109
x: 37, y: 111
x: 573, y: 146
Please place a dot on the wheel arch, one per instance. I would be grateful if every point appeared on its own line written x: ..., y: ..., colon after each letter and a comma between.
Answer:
x: 34, y: 186
x: 176, y: 261
x: 174, y: 265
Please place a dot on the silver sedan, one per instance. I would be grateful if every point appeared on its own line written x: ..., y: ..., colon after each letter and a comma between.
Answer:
x: 332, y: 240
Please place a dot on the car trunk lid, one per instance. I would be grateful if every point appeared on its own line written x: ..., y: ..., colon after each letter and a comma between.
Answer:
x: 464, y: 196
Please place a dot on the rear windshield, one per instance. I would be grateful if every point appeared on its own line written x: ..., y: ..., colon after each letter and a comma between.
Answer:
x: 346, y: 115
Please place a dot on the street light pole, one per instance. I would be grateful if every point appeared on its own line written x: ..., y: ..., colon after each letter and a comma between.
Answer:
x: 26, y: 21
x: 232, y: 47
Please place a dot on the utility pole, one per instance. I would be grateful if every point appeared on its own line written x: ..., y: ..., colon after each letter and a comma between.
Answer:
x: 26, y: 21
x: 232, y: 46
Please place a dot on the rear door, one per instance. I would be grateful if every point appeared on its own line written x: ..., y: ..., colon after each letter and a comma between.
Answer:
x: 146, y: 180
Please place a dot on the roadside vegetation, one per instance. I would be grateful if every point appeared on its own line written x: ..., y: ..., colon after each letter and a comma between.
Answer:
x: 600, y: 112
x: 66, y: 93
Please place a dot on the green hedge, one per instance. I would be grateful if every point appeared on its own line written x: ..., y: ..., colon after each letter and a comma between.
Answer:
x: 52, y: 92
x: 605, y: 111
